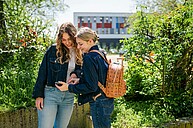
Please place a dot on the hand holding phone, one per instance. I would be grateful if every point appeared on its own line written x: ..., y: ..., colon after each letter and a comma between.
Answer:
x: 74, y: 80
x: 58, y: 83
x: 62, y: 86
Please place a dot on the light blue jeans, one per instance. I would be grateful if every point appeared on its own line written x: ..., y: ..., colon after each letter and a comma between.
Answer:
x: 57, y: 110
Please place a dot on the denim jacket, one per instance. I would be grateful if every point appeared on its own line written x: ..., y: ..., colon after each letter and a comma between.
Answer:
x: 51, y: 71
x: 94, y: 69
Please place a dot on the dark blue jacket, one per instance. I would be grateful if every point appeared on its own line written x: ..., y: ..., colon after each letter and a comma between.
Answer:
x: 51, y: 71
x: 94, y: 69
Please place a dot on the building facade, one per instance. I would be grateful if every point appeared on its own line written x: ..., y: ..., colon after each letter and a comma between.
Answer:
x: 110, y: 27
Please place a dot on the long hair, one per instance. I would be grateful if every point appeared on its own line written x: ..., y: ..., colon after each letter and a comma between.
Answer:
x: 63, y: 53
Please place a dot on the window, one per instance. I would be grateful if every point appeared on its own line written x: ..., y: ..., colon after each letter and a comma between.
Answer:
x: 107, y: 19
x: 88, y: 19
x: 82, y: 20
x: 107, y: 32
x: 101, y: 19
x: 94, y: 19
x: 103, y: 31
x: 110, y: 19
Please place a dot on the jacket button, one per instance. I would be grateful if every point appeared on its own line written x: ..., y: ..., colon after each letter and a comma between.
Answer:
x: 80, y: 94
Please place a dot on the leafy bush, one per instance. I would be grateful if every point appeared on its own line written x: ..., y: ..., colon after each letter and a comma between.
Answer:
x: 18, y: 77
x: 160, y: 64
x: 139, y: 114
x: 126, y: 118
x: 24, y: 37
x: 179, y: 104
x: 142, y: 80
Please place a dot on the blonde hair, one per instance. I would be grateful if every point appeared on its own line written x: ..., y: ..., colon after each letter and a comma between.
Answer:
x: 85, y: 33
x: 63, y: 52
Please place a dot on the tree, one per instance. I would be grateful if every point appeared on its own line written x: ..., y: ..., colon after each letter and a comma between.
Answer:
x: 25, y: 35
x: 161, y: 57
x: 161, y: 6
x: 17, y: 15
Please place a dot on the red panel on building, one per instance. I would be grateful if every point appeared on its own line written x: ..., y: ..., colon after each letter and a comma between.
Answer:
x: 85, y: 25
x: 121, y: 25
x: 99, y: 25
x: 107, y: 25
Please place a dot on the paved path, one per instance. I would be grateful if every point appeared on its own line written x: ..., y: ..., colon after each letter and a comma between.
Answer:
x: 114, y: 59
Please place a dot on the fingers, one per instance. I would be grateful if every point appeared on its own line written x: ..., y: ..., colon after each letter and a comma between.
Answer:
x: 39, y: 103
x: 57, y: 86
x: 76, y: 81
x: 73, y: 81
x: 59, y: 83
x: 64, y: 87
x: 73, y: 75
x: 70, y: 81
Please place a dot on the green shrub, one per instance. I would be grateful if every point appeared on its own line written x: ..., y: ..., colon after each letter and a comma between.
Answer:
x: 139, y: 114
x: 160, y: 61
x: 18, y: 76
x: 180, y: 104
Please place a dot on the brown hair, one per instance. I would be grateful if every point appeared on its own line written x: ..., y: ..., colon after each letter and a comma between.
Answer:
x: 63, y: 52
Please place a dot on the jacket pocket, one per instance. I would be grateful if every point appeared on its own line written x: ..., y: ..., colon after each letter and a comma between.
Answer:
x: 55, y: 65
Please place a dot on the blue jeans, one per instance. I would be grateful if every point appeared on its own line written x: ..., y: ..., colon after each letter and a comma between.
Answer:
x: 101, y: 110
x: 57, y: 110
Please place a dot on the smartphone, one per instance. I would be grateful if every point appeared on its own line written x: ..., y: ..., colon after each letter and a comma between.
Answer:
x: 58, y: 83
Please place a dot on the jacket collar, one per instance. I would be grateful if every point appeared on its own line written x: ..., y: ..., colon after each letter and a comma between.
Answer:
x: 95, y: 47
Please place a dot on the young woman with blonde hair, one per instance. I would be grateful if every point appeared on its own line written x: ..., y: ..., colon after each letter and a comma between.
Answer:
x: 94, y: 70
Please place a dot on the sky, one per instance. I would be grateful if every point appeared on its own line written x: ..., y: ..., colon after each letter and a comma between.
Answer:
x: 126, y: 6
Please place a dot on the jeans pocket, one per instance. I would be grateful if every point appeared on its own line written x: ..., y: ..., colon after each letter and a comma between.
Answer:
x: 107, y: 105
